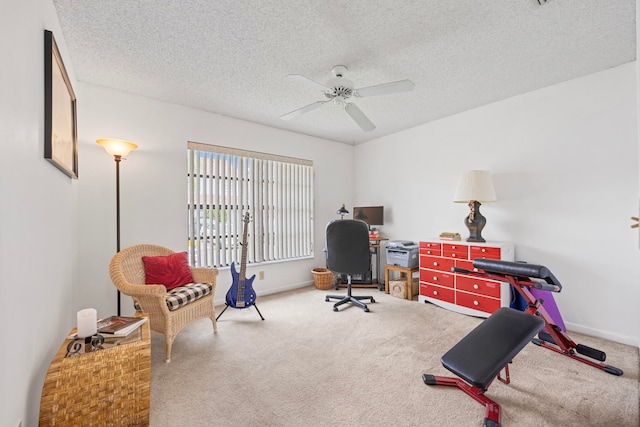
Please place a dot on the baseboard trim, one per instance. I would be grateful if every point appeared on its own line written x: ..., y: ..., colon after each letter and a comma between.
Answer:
x: 598, y: 333
x: 221, y: 300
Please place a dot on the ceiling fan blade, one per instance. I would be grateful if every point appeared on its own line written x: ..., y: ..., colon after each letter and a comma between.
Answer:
x: 311, y: 83
x: 305, y: 109
x: 386, y: 88
x: 358, y: 116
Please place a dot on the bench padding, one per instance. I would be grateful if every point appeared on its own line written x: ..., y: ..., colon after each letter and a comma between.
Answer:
x: 480, y: 356
x: 517, y: 269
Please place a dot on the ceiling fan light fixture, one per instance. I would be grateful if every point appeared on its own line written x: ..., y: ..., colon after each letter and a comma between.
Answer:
x: 339, y: 100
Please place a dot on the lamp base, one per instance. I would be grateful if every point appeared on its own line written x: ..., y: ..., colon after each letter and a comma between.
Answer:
x: 475, y: 222
x: 475, y: 239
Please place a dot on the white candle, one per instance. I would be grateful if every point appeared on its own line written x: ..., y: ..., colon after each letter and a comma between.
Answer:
x: 87, y: 322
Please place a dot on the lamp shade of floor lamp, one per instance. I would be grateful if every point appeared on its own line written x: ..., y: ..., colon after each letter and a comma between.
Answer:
x: 475, y: 187
x: 118, y: 148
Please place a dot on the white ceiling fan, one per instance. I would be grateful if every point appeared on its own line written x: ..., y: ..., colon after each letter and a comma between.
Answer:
x: 339, y: 90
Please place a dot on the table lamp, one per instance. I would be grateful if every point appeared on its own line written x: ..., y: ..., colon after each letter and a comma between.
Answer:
x: 474, y: 187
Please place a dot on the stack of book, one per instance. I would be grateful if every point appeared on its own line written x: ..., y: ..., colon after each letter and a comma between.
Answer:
x: 119, y: 326
x: 116, y: 326
x: 449, y: 236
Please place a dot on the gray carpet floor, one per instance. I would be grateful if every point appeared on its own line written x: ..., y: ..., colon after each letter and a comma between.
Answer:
x: 306, y: 365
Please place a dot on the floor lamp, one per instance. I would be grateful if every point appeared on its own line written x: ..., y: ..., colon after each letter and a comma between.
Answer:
x: 118, y: 148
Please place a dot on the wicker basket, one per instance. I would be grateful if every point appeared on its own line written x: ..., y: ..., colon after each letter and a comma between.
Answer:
x: 323, y: 278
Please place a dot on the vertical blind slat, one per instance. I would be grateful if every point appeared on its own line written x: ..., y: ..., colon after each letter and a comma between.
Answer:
x: 223, y: 187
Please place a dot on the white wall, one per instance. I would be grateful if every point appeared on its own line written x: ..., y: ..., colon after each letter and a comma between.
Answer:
x: 564, y: 161
x: 153, y: 190
x: 37, y: 216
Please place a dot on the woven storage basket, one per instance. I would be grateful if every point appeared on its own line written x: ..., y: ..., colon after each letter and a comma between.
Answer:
x: 323, y: 278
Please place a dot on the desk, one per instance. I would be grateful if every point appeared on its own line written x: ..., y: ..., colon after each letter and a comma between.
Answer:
x: 107, y: 387
x: 374, y: 244
x: 407, y: 272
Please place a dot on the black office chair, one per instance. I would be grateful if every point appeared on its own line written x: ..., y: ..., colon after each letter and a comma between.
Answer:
x: 347, y: 248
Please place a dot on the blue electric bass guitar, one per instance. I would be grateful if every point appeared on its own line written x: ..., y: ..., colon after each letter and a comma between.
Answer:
x: 241, y: 293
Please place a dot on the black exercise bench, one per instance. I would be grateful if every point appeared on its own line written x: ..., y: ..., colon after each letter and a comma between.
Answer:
x: 480, y: 356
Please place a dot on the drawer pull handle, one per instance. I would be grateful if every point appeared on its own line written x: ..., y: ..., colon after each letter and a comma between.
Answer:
x: 476, y: 303
x: 453, y: 255
x: 484, y: 250
x: 453, y: 247
x: 435, y: 278
x: 428, y: 252
x: 435, y: 293
x: 475, y: 286
x: 475, y: 270
x: 435, y: 264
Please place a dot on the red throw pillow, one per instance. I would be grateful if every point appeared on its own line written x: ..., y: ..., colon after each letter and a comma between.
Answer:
x: 171, y: 271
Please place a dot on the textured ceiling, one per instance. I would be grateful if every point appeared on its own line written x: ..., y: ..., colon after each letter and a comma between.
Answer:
x: 232, y: 57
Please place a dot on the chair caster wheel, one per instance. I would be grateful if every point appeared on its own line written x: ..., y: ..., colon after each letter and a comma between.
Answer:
x: 366, y: 310
x: 372, y: 300
x: 335, y: 308
x: 326, y: 300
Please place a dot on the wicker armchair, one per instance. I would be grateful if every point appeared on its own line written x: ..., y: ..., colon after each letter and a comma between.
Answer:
x: 128, y: 275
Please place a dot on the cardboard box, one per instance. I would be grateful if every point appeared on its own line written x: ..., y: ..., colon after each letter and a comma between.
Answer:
x: 397, y: 288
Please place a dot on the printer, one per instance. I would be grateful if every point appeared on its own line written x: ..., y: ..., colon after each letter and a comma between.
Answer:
x: 403, y: 253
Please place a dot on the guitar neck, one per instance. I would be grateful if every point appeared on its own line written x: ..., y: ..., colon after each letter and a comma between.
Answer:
x: 243, y: 261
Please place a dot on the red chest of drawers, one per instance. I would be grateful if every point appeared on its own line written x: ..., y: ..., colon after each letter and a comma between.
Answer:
x: 463, y: 293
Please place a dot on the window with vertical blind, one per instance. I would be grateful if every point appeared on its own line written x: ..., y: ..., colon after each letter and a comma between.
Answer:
x: 225, y: 184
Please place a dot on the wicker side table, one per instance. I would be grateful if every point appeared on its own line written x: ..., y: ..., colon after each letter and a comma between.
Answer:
x: 108, y: 387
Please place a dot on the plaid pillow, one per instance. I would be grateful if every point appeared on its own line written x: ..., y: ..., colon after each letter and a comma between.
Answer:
x: 183, y: 295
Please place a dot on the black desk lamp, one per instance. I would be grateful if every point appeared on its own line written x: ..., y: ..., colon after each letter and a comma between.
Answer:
x: 342, y: 211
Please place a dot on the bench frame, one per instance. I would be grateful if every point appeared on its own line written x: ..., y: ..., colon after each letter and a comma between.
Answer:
x: 554, y: 339
x: 493, y: 411
x: 480, y: 357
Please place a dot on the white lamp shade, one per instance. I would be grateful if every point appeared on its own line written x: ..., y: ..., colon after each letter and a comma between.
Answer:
x: 116, y: 147
x: 475, y: 185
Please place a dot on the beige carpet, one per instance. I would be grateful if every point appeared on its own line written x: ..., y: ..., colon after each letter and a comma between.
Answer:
x: 306, y: 365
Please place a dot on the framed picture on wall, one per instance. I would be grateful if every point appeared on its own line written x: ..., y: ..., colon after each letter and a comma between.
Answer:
x: 60, y: 115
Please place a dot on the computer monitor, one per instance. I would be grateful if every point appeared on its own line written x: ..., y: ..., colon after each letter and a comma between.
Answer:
x: 372, y: 215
